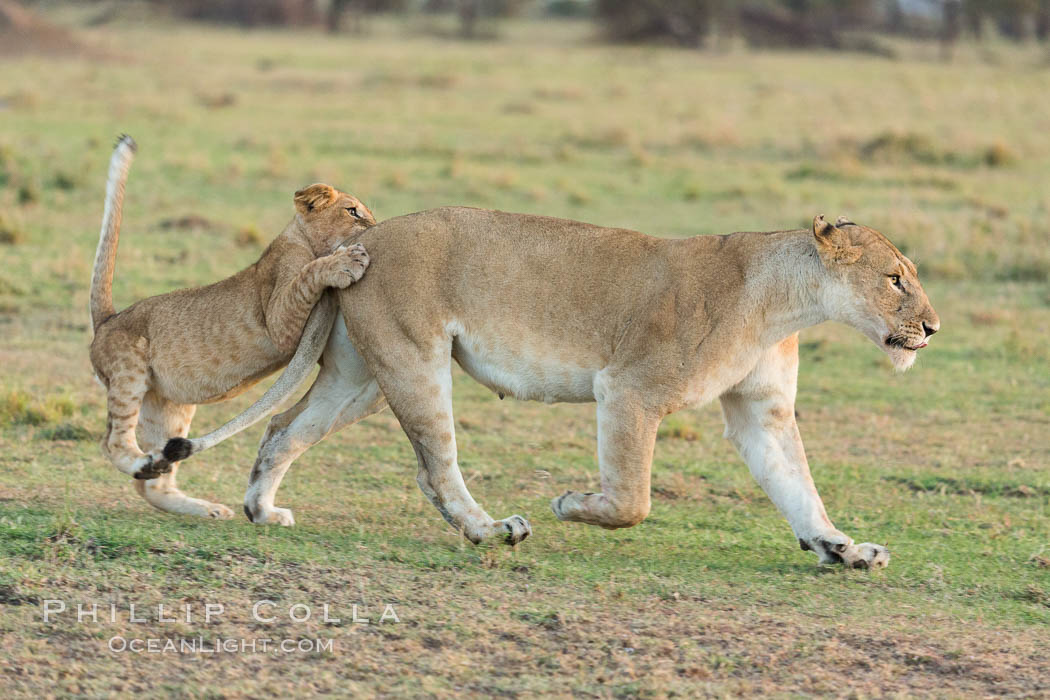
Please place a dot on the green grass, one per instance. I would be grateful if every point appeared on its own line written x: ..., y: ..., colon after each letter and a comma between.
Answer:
x: 949, y: 464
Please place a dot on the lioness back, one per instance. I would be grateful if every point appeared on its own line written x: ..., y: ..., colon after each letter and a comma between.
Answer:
x: 555, y: 295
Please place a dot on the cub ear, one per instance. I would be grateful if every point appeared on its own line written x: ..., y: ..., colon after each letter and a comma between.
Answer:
x: 833, y: 244
x: 314, y: 197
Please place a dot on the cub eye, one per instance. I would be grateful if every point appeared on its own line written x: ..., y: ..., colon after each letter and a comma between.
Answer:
x: 353, y: 212
x: 896, y: 279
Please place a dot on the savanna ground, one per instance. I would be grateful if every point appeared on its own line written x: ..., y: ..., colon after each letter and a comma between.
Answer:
x: 948, y: 463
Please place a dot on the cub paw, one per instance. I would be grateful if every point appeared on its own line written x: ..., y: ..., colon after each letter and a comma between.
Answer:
x: 150, y: 467
x: 346, y: 266
x: 217, y: 511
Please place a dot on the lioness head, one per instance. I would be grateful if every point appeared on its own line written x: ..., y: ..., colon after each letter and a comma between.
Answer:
x: 331, y: 216
x: 875, y: 289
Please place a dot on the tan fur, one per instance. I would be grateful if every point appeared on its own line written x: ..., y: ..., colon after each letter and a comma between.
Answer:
x: 554, y: 310
x: 163, y: 355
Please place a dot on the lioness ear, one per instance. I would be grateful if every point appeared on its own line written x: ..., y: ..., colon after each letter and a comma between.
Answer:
x: 833, y: 244
x: 844, y: 221
x: 314, y: 197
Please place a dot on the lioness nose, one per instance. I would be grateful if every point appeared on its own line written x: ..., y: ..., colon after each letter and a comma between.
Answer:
x: 930, y: 330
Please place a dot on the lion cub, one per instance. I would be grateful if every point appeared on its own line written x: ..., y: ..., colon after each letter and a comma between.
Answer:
x: 163, y: 355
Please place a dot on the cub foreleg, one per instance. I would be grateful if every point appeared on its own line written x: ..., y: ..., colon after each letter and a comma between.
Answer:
x: 291, y: 304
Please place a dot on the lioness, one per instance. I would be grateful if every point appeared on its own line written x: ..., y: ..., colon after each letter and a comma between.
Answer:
x: 541, y: 308
x: 163, y: 355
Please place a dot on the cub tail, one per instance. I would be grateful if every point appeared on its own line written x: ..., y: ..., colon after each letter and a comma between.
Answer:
x: 106, y: 255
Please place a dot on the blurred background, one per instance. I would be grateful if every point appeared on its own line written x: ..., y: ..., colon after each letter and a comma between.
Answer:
x: 927, y: 120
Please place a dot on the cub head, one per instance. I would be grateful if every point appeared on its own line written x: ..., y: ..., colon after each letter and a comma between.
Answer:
x: 875, y: 289
x: 329, y: 216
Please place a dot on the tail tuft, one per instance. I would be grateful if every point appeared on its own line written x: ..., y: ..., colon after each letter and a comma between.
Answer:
x: 125, y: 140
x: 178, y: 449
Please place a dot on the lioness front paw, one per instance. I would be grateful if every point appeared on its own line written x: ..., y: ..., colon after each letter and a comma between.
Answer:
x: 516, y: 529
x: 840, y: 549
x: 868, y: 555
x: 345, y: 266
x: 270, y: 516
x: 510, y: 531
x: 218, y: 511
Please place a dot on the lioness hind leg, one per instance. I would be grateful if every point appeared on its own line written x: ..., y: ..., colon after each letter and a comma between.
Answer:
x: 421, y: 398
x: 760, y: 421
x: 626, y: 438
x: 159, y: 421
x: 336, y: 399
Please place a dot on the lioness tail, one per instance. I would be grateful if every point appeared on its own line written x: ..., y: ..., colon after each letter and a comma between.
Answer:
x: 105, y: 256
x: 311, y: 345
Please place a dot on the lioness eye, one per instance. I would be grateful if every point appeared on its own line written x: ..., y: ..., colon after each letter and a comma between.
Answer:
x: 896, y: 279
x: 353, y: 212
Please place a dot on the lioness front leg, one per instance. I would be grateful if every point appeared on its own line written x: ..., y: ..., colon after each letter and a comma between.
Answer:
x: 760, y: 421
x: 626, y: 438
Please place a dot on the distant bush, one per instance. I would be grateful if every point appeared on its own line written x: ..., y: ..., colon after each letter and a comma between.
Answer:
x: 685, y: 22
x: 23, y: 408
x: 338, y: 8
x: 818, y: 23
x: 248, y: 13
x: 10, y: 233
x: 911, y: 147
x: 569, y: 8
x: 799, y: 23
x: 249, y: 237
x: 66, y: 431
x: 28, y: 193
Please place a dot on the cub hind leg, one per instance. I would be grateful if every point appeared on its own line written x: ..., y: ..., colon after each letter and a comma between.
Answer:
x: 161, y: 419
x: 125, y: 364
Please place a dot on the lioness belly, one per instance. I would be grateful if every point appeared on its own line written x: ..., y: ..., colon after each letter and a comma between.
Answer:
x: 530, y: 371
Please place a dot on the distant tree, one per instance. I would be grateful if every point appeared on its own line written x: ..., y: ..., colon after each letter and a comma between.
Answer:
x: 471, y: 12
x: 248, y: 13
x: 951, y: 28
x: 338, y: 9
x: 1042, y: 20
x: 974, y: 15
x: 895, y: 20
x: 762, y: 22
x: 1014, y: 19
x: 468, y: 11
x: 685, y: 22
x: 805, y: 23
